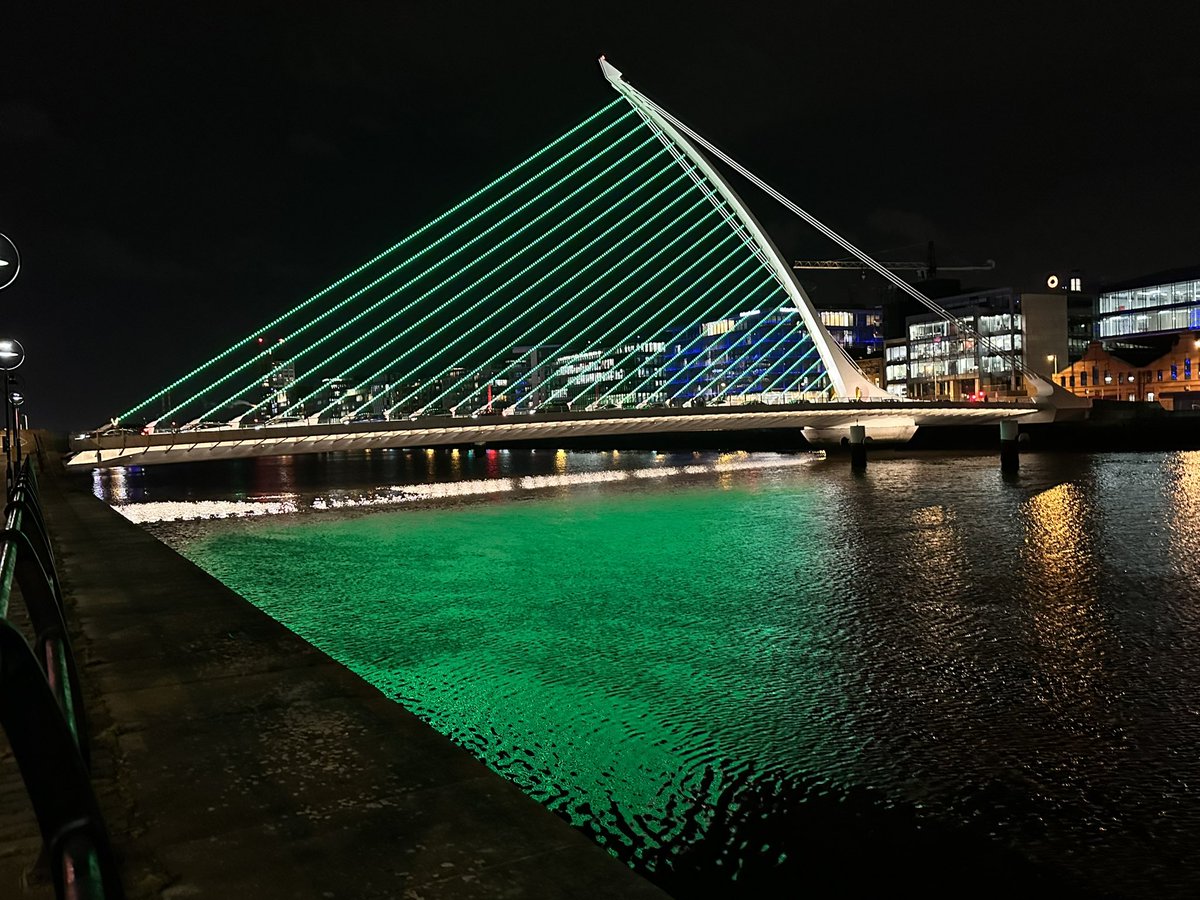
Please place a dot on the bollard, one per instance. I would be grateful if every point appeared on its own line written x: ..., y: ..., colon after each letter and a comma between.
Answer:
x: 1009, y: 461
x: 858, y: 447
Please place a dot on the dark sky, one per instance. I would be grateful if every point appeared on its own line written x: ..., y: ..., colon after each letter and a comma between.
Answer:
x: 176, y: 173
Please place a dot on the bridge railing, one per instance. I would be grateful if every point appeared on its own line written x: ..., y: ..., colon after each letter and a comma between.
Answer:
x: 41, y: 705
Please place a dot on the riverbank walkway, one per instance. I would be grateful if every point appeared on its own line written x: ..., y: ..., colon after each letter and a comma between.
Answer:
x: 232, y: 759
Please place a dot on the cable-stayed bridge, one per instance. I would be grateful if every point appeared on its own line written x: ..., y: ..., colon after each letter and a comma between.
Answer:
x: 610, y: 283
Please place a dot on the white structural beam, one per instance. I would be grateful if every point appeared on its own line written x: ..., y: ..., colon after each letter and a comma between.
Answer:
x: 848, y: 380
x: 886, y: 421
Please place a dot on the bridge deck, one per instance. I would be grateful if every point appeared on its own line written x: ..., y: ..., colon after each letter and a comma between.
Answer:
x: 886, y: 420
x: 235, y: 760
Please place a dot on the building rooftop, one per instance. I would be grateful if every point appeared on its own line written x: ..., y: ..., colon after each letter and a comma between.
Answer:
x: 1167, y: 276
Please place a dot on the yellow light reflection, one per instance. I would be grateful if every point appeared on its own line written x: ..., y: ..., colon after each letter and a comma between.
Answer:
x: 1060, y: 566
x: 1184, y: 533
x: 560, y: 462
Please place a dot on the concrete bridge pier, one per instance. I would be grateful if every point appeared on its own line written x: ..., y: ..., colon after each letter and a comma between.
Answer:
x: 858, y: 447
x: 1009, y: 460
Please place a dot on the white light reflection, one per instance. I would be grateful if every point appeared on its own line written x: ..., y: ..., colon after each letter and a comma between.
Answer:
x: 188, y: 510
x: 145, y: 513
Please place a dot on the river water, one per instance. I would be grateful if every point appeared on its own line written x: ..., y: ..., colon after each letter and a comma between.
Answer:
x: 744, y: 674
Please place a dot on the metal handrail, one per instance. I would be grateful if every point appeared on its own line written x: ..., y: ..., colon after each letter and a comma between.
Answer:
x: 42, y: 710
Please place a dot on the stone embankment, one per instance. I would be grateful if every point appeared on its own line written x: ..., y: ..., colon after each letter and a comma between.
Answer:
x: 232, y: 759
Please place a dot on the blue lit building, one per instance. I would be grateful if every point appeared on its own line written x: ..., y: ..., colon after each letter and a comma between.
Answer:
x: 859, y: 331
x: 758, y: 356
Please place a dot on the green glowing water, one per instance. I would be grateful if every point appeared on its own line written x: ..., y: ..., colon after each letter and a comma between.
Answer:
x: 750, y: 654
x: 607, y: 650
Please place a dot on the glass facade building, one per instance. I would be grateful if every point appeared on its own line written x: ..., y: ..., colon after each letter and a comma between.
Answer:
x: 1157, y: 304
x: 998, y: 332
x: 855, y: 329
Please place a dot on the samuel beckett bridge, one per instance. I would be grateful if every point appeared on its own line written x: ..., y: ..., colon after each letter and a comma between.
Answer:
x: 612, y: 283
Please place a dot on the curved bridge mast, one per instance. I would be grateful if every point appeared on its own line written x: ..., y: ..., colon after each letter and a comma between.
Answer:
x: 847, y: 379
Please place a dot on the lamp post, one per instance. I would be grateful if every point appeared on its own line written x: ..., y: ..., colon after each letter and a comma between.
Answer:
x: 12, y: 354
x: 1053, y: 360
x: 16, y: 400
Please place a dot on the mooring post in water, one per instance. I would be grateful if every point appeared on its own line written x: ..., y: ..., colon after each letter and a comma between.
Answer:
x: 1009, y: 461
x: 858, y: 446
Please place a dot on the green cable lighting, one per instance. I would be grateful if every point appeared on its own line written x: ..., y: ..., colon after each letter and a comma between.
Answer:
x: 703, y: 220
x: 474, y: 196
x: 760, y: 376
x: 661, y: 370
x: 667, y: 326
x: 492, y: 249
x: 627, y: 277
x: 787, y: 373
x: 741, y: 357
x: 559, y: 224
x: 478, y: 325
x: 612, y: 248
x: 632, y: 335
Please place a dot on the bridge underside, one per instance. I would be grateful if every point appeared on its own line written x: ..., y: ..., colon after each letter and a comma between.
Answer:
x: 824, y: 422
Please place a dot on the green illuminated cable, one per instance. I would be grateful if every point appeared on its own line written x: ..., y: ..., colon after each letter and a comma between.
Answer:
x: 752, y: 345
x: 798, y: 386
x: 492, y: 249
x: 558, y: 224
x: 746, y: 353
x: 474, y: 196
x: 657, y: 273
x: 527, y: 336
x: 361, y: 315
x: 783, y: 357
x: 729, y: 311
x: 546, y: 255
x: 607, y: 292
x: 792, y: 368
x: 719, y: 204
x: 632, y: 334
x: 612, y: 248
x: 665, y: 327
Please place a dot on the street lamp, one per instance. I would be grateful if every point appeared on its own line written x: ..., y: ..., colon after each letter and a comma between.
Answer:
x: 1053, y: 360
x: 12, y: 354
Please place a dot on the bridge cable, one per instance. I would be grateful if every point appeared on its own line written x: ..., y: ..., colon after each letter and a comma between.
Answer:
x: 863, y: 257
x: 524, y: 338
x: 412, y: 236
x: 491, y: 249
x: 506, y: 283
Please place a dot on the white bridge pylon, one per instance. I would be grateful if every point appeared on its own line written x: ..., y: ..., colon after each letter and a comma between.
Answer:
x: 847, y: 379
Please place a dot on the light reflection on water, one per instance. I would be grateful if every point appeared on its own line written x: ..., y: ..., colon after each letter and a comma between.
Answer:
x: 658, y: 658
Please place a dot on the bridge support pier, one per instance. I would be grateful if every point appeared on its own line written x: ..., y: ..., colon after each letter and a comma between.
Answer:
x: 1009, y: 460
x: 858, y: 447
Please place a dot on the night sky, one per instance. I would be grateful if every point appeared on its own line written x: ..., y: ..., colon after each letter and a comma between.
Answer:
x: 174, y: 174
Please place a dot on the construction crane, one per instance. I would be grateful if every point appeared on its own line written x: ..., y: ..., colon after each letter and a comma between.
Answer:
x: 927, y: 268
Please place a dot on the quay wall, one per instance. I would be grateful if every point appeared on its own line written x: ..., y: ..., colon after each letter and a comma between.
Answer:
x: 234, y: 759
